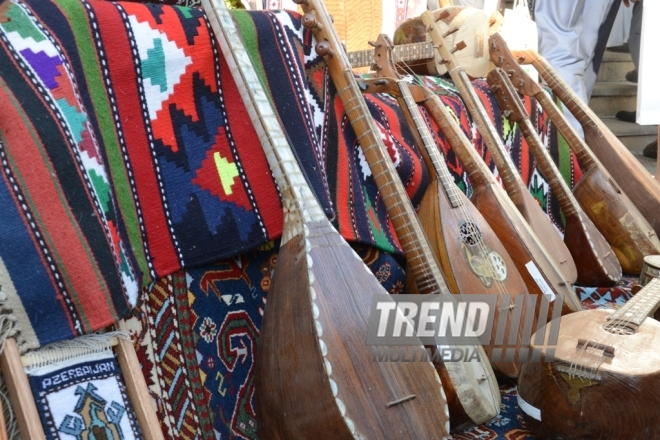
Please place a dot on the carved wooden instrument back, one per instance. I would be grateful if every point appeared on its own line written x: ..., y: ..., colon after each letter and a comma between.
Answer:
x: 609, y: 208
x: 315, y: 376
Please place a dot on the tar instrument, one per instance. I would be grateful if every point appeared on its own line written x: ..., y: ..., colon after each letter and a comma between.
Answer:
x: 512, y: 181
x: 455, y: 228
x: 609, y: 208
x: 642, y: 189
x: 315, y: 376
x: 596, y: 262
x: 473, y: 382
x: 604, y: 378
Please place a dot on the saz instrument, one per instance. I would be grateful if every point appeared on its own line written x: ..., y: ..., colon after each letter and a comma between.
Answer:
x: 472, y: 257
x: 642, y: 189
x: 596, y: 262
x: 512, y: 181
x: 604, y: 378
x: 470, y: 386
x: 609, y: 208
x: 315, y: 376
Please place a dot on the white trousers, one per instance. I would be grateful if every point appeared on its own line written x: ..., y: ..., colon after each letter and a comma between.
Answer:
x: 568, y: 32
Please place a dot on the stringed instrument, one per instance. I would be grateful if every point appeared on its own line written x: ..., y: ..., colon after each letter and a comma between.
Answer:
x: 515, y: 187
x: 470, y: 386
x: 604, y: 376
x: 595, y: 259
x: 609, y: 208
x: 414, y: 52
x: 454, y: 226
x: 642, y: 189
x: 316, y: 377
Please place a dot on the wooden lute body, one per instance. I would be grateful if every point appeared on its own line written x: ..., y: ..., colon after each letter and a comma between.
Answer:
x: 596, y: 261
x: 604, y: 381
x: 472, y: 257
x: 474, y: 382
x: 512, y: 181
x: 608, y: 207
x: 315, y: 376
x: 642, y: 189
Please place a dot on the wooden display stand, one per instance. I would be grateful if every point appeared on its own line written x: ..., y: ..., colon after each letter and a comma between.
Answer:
x: 25, y: 408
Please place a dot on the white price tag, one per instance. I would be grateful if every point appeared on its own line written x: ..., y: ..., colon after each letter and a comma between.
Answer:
x: 540, y: 281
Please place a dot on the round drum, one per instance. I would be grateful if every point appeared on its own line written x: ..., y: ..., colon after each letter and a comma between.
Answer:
x: 650, y: 269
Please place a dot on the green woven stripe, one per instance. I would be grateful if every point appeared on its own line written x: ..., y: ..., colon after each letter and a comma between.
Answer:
x: 77, y: 18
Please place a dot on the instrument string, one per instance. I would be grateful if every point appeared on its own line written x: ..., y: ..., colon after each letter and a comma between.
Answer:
x: 450, y: 188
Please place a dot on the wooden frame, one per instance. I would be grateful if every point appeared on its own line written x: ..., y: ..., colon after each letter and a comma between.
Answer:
x: 25, y: 408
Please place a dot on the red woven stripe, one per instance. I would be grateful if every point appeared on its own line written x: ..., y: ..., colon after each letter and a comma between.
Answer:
x: 62, y: 234
x: 117, y: 46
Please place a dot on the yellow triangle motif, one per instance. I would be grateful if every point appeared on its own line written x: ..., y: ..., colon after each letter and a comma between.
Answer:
x: 226, y: 170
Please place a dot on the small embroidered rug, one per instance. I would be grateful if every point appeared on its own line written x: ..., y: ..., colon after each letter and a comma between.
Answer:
x: 84, y: 397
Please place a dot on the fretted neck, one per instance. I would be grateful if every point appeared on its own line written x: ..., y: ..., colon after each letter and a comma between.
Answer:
x: 477, y: 171
x: 508, y: 171
x: 429, y: 147
x: 640, y: 306
x: 281, y: 159
x: 583, y: 154
x: 424, y: 267
x: 567, y: 201
x: 403, y: 53
x: 580, y: 110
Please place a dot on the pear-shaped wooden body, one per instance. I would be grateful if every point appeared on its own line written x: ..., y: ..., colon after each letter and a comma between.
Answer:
x: 522, y: 247
x: 630, y: 239
x: 471, y: 256
x: 600, y: 397
x: 317, y: 378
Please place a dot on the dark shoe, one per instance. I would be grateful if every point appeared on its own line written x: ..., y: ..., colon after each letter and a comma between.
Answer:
x: 627, y: 116
x: 632, y: 76
x: 651, y: 150
x: 624, y: 48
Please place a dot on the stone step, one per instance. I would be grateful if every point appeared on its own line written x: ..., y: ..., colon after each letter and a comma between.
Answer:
x: 634, y: 136
x: 610, y: 97
x: 613, y: 70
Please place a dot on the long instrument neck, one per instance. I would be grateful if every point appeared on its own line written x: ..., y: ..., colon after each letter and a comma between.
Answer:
x: 297, y: 196
x: 508, y: 171
x: 403, y: 53
x: 429, y: 148
x: 477, y: 171
x: 640, y: 306
x: 419, y: 256
x: 584, y: 155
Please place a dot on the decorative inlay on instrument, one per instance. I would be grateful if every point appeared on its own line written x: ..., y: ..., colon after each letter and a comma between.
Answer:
x: 642, y: 189
x: 603, y: 381
x: 452, y: 224
x: 316, y: 377
x: 597, y: 264
x: 473, y: 382
x: 608, y: 207
x: 541, y: 274
x: 512, y: 181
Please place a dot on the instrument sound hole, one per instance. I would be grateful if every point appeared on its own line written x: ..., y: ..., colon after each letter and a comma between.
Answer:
x: 618, y: 329
x: 469, y: 233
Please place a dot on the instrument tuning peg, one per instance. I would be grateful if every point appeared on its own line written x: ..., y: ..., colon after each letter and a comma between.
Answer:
x: 362, y: 85
x: 493, y: 45
x: 507, y: 113
x: 380, y: 82
x: 373, y: 43
x: 449, y: 32
x: 500, y: 60
x: 429, y: 28
x: 309, y: 21
x: 444, y: 61
x: 443, y: 14
x: 323, y: 49
x: 521, y: 59
x: 376, y: 67
x: 510, y: 72
x: 459, y: 46
x: 495, y: 88
x: 521, y: 83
